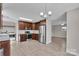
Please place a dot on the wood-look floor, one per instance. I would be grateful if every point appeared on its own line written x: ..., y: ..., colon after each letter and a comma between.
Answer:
x: 34, y: 48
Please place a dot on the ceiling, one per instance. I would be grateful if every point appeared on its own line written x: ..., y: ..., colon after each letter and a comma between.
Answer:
x: 32, y: 10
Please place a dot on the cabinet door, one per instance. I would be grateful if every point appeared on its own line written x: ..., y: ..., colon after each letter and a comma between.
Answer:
x: 37, y: 26
x: 6, y: 46
x: 23, y: 37
x: 30, y: 26
x: 43, y: 22
x: 26, y: 25
x: 21, y: 25
x: 33, y: 26
x: 35, y: 36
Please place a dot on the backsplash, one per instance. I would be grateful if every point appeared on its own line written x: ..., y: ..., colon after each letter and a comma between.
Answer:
x: 31, y: 31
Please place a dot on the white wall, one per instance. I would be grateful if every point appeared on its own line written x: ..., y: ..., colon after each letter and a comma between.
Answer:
x: 53, y: 30
x: 8, y: 25
x: 73, y: 31
x: 48, y: 31
x: 58, y: 32
x: 17, y: 31
x: 61, y: 19
x: 56, y: 26
x: 9, y: 29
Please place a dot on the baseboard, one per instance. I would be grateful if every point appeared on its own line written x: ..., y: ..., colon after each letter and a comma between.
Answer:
x: 59, y: 37
x: 73, y: 53
x: 48, y: 42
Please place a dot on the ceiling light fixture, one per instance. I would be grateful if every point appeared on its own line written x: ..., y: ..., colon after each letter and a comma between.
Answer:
x: 46, y: 13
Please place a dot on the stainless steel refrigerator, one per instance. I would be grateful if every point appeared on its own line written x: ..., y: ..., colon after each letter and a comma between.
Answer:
x: 42, y: 34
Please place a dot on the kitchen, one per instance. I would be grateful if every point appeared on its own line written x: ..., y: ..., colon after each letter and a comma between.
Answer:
x: 27, y: 30
x: 30, y: 30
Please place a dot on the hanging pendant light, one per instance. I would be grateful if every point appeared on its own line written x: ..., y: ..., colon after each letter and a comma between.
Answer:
x: 41, y: 13
x: 45, y: 14
x: 49, y: 13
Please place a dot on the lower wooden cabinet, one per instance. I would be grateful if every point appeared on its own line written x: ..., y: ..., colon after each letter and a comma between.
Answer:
x: 35, y: 36
x: 23, y: 37
x: 6, y: 47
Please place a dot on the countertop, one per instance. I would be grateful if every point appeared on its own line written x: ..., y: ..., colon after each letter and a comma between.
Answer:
x: 4, y: 37
x: 31, y: 31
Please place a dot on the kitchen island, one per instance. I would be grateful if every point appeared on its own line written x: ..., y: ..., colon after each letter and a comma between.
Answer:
x: 5, y: 44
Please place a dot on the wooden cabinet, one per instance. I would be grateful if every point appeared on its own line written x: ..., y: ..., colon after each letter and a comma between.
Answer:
x: 21, y: 25
x: 29, y: 26
x: 33, y: 26
x: 35, y: 36
x: 23, y: 37
x: 43, y: 22
x: 37, y: 25
x: 6, y: 47
x: 25, y: 25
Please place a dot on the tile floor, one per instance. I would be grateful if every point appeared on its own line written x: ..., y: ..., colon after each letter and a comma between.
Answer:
x: 34, y: 48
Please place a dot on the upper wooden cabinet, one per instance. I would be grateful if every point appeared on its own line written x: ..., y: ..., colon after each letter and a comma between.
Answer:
x: 28, y: 25
x: 0, y: 15
x: 37, y: 25
x: 43, y: 22
x: 31, y: 26
x: 21, y: 25
x: 25, y: 25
